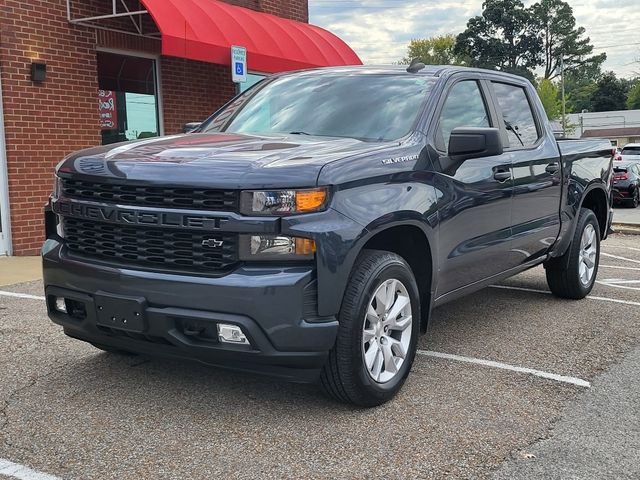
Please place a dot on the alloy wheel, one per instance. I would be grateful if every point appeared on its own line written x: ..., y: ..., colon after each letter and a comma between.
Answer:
x: 386, y: 331
x: 588, y: 252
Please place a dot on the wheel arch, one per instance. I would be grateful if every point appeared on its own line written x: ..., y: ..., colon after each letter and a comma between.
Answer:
x: 410, y: 241
x: 595, y: 199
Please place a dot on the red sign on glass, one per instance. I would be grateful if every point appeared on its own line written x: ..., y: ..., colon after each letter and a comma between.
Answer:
x: 108, y: 110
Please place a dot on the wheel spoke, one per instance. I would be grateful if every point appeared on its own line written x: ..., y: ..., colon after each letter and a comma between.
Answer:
x: 397, y: 308
x: 397, y: 347
x: 372, y: 315
x: 381, y: 301
x: 588, y: 262
x: 370, y: 355
x: 368, y: 335
x: 377, y: 365
x: 391, y: 294
x: 389, y: 362
x: 401, y: 324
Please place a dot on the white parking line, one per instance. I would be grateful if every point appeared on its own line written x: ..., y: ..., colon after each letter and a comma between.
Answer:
x: 505, y: 366
x: 621, y: 268
x: 20, y: 295
x: 619, y: 257
x: 621, y: 246
x: 590, y: 297
x: 15, y: 470
x: 614, y: 285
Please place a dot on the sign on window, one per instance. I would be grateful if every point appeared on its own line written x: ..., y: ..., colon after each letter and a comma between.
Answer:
x: 108, y: 109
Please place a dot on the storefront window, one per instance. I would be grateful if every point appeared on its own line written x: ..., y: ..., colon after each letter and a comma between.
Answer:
x: 128, y: 97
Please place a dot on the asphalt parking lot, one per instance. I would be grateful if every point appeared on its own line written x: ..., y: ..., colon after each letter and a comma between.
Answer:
x: 71, y: 411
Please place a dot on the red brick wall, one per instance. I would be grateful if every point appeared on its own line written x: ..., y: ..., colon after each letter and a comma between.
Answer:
x: 44, y: 122
x: 191, y: 91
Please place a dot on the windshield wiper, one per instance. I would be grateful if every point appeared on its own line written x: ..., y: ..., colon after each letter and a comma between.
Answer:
x: 514, y: 130
x: 300, y: 133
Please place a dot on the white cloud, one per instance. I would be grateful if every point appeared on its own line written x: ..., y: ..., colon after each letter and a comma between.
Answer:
x: 380, y: 30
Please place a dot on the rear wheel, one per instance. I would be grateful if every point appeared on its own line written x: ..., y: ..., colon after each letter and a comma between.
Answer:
x: 378, y: 333
x: 574, y: 274
x: 635, y: 200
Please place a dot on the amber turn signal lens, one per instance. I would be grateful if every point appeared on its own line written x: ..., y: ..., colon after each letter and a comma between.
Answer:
x: 310, y: 200
x: 305, y: 246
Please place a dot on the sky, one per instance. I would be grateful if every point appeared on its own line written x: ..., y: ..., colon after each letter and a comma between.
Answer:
x: 380, y: 30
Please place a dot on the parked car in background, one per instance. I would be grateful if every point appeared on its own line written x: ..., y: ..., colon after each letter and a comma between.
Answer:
x: 626, y: 183
x: 631, y: 152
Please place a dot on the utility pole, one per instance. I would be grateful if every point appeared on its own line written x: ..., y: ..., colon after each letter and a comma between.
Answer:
x: 564, y: 104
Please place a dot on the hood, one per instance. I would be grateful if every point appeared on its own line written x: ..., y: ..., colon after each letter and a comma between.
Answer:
x: 218, y: 160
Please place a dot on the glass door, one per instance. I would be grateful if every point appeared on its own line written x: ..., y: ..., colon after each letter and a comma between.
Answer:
x: 127, y: 97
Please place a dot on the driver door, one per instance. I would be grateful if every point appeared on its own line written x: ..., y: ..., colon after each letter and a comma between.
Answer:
x: 475, y: 196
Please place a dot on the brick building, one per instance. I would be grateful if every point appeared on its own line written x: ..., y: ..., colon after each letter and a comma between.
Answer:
x: 79, y: 73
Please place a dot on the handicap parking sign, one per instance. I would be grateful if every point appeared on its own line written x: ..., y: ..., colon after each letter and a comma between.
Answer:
x: 238, y: 64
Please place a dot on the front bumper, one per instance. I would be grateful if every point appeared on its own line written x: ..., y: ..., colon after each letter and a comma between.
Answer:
x: 276, y: 307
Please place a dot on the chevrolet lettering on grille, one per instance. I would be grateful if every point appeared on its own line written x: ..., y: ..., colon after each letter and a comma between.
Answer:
x: 131, y: 216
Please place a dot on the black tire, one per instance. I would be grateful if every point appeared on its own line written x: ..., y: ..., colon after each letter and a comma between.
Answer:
x: 635, y: 200
x: 563, y: 275
x: 345, y: 377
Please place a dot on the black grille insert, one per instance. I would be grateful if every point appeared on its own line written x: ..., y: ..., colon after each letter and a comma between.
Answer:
x: 152, y: 248
x: 148, y: 196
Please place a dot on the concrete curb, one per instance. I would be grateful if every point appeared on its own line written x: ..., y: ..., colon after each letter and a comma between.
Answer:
x: 627, y: 228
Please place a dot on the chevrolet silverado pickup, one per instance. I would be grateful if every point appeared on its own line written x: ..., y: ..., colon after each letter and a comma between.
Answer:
x: 308, y: 228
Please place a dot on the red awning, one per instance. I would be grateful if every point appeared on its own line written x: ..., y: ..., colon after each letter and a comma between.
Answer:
x: 205, y: 30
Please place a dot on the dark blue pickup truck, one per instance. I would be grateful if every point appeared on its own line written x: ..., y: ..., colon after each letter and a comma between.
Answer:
x: 308, y: 229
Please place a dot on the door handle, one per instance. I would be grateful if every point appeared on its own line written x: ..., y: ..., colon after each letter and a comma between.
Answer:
x: 502, y: 175
x: 552, y: 168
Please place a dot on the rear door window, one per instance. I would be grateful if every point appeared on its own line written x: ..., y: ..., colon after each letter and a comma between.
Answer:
x: 517, y: 113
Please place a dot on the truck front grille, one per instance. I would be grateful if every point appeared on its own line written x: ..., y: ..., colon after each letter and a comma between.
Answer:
x: 151, y: 248
x: 149, y: 196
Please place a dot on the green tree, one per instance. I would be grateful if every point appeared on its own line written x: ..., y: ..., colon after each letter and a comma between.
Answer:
x: 579, y: 94
x: 502, y: 38
x: 610, y: 94
x: 633, y: 98
x: 548, y: 93
x: 438, y: 50
x: 556, y: 27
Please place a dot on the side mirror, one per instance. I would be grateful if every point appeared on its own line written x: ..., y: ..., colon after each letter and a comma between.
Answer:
x: 191, y: 126
x: 466, y: 143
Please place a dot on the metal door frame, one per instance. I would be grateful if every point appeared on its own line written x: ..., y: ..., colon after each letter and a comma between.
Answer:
x: 5, y: 235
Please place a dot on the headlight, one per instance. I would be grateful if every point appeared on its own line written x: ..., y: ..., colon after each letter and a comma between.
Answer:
x: 276, y: 247
x: 57, y: 186
x: 283, y: 202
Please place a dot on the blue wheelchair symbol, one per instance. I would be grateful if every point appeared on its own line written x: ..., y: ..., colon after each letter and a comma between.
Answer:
x: 239, y: 68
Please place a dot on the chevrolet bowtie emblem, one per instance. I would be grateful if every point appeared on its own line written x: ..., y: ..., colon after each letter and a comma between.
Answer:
x: 212, y: 243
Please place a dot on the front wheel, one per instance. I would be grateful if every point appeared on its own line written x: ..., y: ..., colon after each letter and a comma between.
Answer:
x: 378, y: 334
x: 573, y: 274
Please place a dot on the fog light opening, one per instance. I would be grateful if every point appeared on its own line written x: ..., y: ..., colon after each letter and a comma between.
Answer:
x: 61, y: 305
x: 231, y: 334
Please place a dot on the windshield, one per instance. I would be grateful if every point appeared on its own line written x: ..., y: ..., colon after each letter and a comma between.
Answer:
x: 631, y: 151
x: 367, y: 107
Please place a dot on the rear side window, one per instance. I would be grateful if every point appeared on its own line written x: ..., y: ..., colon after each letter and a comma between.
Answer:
x: 518, y: 115
x: 464, y: 107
